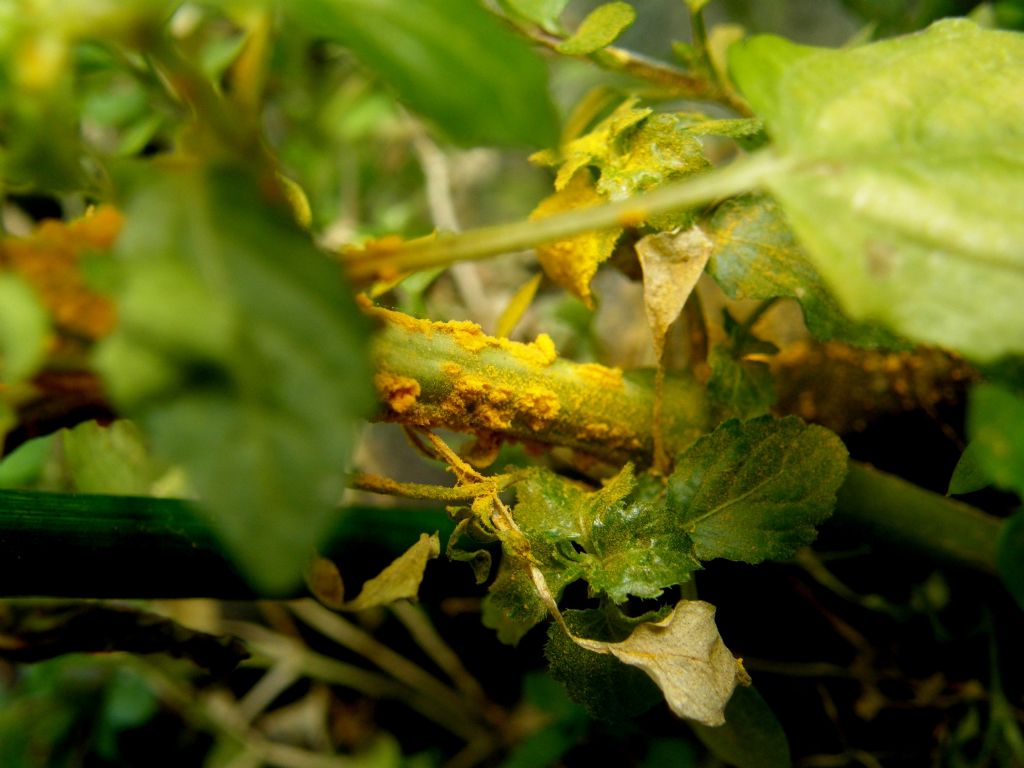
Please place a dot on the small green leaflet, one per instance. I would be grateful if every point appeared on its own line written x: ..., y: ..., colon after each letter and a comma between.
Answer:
x: 754, y: 490
x: 450, y: 60
x: 599, y: 29
x: 241, y: 354
x: 907, y: 177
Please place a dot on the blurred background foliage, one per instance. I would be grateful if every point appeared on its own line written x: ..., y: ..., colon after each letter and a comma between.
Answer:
x: 878, y: 665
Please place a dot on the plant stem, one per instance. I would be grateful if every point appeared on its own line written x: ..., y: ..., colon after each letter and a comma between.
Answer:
x: 884, y: 507
x: 70, y: 545
x: 442, y: 249
x: 433, y: 375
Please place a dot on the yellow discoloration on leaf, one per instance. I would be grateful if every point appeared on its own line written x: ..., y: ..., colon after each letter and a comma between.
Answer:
x: 572, y: 263
x: 594, y: 147
x: 49, y: 261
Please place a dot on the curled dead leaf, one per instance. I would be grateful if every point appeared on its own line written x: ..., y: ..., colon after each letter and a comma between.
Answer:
x: 686, y: 657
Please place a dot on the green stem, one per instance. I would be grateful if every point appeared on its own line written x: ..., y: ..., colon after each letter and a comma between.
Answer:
x: 884, y: 507
x: 444, y: 249
x: 69, y: 545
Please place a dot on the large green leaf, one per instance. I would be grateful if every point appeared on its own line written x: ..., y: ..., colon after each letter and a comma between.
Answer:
x: 241, y: 354
x: 753, y: 490
x: 906, y: 185
x: 450, y: 60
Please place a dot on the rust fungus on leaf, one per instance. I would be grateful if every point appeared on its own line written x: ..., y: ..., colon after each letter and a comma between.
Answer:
x: 49, y: 259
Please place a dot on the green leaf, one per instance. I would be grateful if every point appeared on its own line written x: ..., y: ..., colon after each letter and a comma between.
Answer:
x: 450, y: 60
x: 755, y: 256
x: 754, y: 490
x: 624, y: 546
x: 109, y: 460
x: 968, y: 475
x: 401, y: 579
x: 995, y: 424
x: 751, y: 738
x: 907, y: 177
x: 1010, y: 557
x: 24, y: 330
x: 739, y: 388
x: 542, y: 12
x: 249, y: 368
x: 599, y: 29
x: 27, y: 463
x: 609, y: 689
x: 618, y: 539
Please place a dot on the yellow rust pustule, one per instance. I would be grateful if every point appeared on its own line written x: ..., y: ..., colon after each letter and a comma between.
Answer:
x: 399, y: 393
x: 471, y: 382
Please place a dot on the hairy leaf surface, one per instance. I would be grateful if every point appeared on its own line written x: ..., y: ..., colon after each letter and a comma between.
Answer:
x: 753, y: 490
x: 908, y: 178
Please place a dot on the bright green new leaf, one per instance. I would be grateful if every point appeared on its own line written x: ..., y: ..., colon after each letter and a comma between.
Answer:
x: 995, y: 424
x: 754, y: 490
x: 450, y: 60
x: 599, y: 29
x: 248, y: 369
x: 755, y: 256
x: 24, y: 330
x: 907, y: 177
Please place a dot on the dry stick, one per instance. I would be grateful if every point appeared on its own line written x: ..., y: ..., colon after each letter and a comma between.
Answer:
x: 347, y: 635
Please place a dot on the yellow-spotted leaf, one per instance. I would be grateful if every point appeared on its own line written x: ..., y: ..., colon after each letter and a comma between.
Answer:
x: 573, y: 262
